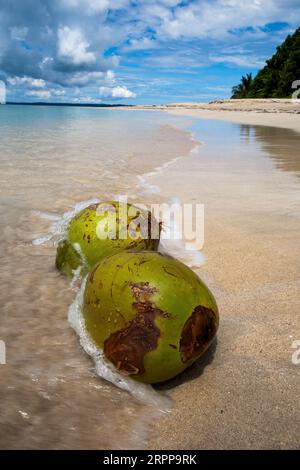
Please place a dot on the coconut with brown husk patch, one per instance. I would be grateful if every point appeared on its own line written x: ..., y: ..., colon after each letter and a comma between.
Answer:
x: 151, y: 314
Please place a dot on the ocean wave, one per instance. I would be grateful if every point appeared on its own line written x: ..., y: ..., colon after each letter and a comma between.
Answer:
x: 58, y: 228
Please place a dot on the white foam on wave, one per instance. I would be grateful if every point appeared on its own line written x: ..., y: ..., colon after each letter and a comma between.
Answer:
x: 47, y: 215
x: 189, y: 256
x: 58, y: 228
x: 143, y: 392
x: 196, y: 148
x: 150, y: 188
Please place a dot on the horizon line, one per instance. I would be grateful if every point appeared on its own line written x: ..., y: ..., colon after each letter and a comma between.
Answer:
x: 45, y: 103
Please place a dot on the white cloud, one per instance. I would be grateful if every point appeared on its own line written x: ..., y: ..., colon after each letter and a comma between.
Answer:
x: 78, y: 43
x: 240, y: 61
x: 116, y: 92
x: 27, y: 81
x: 110, y: 77
x: 56, y: 92
x: 85, y: 78
x: 43, y: 94
x: 72, y: 46
x: 46, y: 94
x: 141, y: 44
x: 87, y: 100
x: 207, y: 19
x: 95, y: 6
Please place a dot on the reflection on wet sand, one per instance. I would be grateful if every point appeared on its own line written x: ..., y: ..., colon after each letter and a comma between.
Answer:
x: 241, y: 395
x: 281, y: 145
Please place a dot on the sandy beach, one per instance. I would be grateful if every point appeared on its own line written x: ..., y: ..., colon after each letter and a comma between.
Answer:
x: 242, y: 394
x: 275, y: 113
x: 284, y: 113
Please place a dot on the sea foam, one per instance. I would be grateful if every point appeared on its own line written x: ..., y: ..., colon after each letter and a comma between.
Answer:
x: 143, y: 392
x: 58, y: 228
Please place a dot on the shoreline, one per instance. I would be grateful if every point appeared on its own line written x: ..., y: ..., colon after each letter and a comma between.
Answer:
x: 252, y: 118
x: 231, y: 398
x: 282, y: 113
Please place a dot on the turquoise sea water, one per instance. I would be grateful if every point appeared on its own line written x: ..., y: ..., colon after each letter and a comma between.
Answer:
x: 50, y: 160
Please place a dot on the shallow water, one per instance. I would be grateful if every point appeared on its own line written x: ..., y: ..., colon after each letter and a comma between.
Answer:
x: 51, y: 160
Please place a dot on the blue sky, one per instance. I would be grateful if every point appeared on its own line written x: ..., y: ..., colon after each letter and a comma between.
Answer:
x: 136, y: 51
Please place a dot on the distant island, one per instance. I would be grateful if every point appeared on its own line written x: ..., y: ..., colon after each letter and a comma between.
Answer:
x: 83, y: 105
x: 276, y: 78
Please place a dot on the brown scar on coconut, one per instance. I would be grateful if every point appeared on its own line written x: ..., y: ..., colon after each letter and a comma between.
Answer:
x: 197, y: 334
x: 142, y: 291
x: 126, y: 348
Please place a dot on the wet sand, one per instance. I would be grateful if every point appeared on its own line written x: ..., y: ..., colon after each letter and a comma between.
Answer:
x: 277, y: 119
x: 243, y: 392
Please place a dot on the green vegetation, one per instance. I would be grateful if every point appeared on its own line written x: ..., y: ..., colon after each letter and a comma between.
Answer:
x: 242, y: 89
x: 276, y: 78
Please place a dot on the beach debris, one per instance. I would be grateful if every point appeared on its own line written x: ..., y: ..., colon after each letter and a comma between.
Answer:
x: 103, y: 229
x: 150, y: 314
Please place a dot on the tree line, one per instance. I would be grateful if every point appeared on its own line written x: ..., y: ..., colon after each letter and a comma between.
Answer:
x: 275, y: 79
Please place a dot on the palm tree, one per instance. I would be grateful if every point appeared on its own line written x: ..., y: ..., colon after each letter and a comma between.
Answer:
x: 242, y: 89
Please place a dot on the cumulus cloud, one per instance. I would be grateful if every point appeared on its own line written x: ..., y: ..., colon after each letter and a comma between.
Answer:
x: 82, y: 79
x: 116, y: 92
x: 57, y: 92
x: 110, y: 77
x: 46, y: 94
x: 95, y: 6
x: 72, y: 47
x: 43, y: 94
x: 207, y: 19
x: 54, y: 40
x: 33, y: 82
x: 94, y: 44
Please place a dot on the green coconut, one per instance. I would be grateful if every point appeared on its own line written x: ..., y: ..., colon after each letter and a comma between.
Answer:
x: 102, y: 230
x: 151, y: 314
